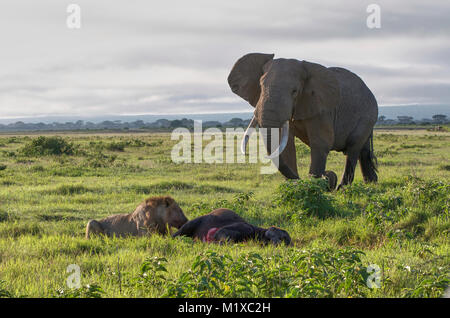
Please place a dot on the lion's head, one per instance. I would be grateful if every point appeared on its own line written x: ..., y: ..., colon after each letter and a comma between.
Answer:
x: 161, y: 213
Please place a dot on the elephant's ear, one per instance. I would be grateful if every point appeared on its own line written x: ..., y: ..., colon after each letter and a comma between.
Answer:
x: 245, y: 75
x: 321, y: 92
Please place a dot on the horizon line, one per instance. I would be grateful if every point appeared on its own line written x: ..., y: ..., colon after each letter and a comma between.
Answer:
x: 178, y: 114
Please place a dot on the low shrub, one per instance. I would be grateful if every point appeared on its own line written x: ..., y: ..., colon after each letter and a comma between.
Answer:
x: 115, y: 146
x: 305, y: 196
x: 99, y: 160
x: 47, y: 146
x: 315, y: 273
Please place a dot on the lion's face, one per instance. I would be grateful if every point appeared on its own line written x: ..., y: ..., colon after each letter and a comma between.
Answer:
x: 163, y: 213
x: 175, y: 216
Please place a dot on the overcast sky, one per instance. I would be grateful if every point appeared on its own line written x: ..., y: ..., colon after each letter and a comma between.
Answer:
x: 166, y: 57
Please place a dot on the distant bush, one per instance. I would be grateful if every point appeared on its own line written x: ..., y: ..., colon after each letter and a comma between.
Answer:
x: 118, y: 145
x: 115, y: 146
x: 10, y: 154
x: 12, y: 140
x: 2, y: 167
x: 48, y: 146
x: 99, y: 160
x: 308, y: 196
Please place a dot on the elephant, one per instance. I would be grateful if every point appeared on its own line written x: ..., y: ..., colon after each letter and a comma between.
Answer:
x: 327, y: 108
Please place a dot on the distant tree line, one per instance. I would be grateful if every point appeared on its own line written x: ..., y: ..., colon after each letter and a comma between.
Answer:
x: 168, y: 125
x: 160, y: 124
x: 438, y: 119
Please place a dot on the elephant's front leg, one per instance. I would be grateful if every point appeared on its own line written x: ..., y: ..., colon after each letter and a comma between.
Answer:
x: 320, y: 135
x: 288, y: 159
x: 318, y: 161
x: 317, y: 168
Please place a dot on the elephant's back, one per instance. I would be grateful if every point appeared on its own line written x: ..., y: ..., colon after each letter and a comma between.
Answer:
x: 354, y: 92
x: 357, y: 104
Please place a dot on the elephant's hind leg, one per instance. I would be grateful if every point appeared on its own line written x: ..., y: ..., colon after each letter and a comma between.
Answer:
x: 355, y: 143
x: 368, y: 166
x: 349, y: 172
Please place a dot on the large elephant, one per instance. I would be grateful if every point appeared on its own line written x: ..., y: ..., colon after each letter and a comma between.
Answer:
x: 327, y: 108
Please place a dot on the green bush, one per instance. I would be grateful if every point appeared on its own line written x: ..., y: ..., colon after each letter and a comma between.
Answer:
x: 99, y: 160
x: 305, y: 196
x: 315, y: 273
x: 115, y: 146
x: 48, y: 146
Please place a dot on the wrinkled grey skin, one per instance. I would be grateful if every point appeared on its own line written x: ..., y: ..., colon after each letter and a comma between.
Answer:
x: 327, y: 108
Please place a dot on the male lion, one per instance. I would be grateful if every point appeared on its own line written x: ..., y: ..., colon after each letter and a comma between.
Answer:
x: 155, y: 214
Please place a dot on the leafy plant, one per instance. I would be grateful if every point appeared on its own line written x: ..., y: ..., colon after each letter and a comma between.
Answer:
x: 86, y: 291
x: 151, y: 274
x: 100, y: 160
x: 316, y: 273
x: 242, y: 197
x: 305, y: 196
x: 430, y: 285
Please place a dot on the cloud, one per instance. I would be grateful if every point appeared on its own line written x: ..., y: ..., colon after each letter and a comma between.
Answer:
x: 175, y: 56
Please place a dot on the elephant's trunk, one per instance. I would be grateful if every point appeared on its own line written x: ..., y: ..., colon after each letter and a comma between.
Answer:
x: 281, y: 164
x: 283, y: 142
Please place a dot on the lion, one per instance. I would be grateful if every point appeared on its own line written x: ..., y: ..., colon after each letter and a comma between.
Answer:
x: 155, y: 214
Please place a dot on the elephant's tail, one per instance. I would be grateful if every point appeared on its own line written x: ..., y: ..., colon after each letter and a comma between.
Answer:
x: 373, y: 158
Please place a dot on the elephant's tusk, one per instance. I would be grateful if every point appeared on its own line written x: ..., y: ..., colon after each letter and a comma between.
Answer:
x: 283, y: 143
x: 247, y: 134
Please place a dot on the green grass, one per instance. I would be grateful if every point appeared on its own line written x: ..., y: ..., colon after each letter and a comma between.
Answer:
x: 47, y: 196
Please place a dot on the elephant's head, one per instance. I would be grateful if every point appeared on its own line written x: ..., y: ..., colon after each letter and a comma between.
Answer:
x: 283, y: 90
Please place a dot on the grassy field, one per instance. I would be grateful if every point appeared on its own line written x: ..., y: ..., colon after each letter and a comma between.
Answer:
x: 393, y: 234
